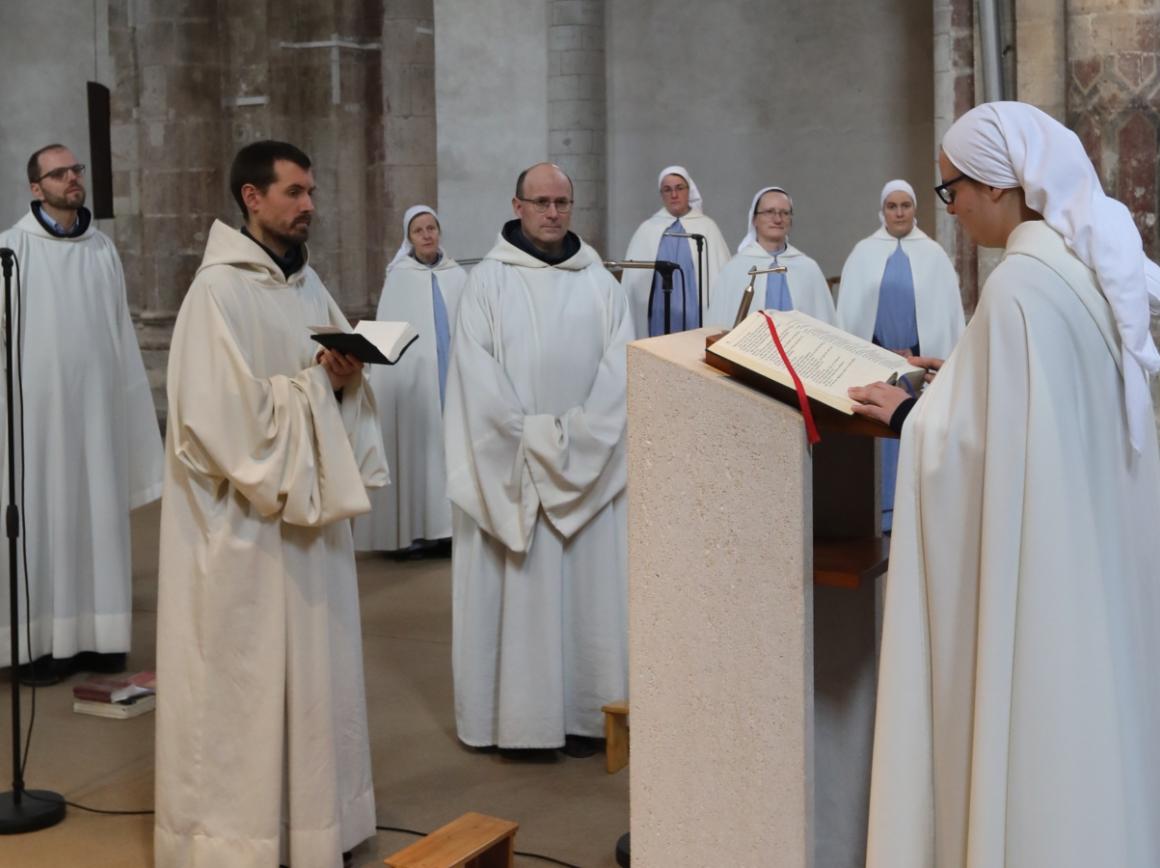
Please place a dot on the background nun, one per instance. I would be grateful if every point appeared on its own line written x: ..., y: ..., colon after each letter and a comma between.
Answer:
x: 803, y: 287
x: 422, y: 287
x: 680, y: 212
x: 900, y: 290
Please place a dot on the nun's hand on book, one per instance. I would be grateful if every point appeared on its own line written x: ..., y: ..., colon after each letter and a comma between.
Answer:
x: 877, y: 400
x: 930, y: 363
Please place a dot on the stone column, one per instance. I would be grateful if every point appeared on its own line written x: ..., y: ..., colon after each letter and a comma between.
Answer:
x: 1041, y: 55
x: 1113, y: 104
x: 406, y: 159
x: 576, y: 108
x: 954, y: 94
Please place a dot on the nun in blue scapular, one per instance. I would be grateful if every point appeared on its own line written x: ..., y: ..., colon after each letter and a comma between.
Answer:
x: 422, y: 287
x: 664, y: 236
x: 899, y: 290
x: 802, y: 286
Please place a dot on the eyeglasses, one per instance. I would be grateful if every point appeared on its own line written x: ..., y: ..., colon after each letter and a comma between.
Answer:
x: 563, y: 206
x: 62, y: 173
x: 680, y: 188
x: 945, y: 192
x: 775, y: 213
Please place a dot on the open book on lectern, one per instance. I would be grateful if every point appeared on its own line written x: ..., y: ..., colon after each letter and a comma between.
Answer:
x: 374, y: 342
x: 828, y: 360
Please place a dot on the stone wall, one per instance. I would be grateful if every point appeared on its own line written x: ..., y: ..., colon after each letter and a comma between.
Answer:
x: 954, y: 94
x: 194, y: 80
x: 576, y: 108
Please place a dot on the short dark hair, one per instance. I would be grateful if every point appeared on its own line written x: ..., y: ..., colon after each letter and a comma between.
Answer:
x: 524, y: 174
x: 34, y: 161
x: 254, y: 164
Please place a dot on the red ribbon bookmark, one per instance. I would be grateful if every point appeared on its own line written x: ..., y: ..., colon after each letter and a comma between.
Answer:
x: 812, y: 434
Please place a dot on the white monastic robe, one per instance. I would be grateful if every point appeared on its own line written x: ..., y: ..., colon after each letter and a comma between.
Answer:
x: 535, y: 424
x: 262, y: 749
x: 643, y: 246
x: 1018, y: 703
x: 938, y: 307
x: 807, y: 285
x: 415, y: 505
x: 92, y: 447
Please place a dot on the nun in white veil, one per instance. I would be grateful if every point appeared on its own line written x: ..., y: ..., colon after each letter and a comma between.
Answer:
x: 899, y: 290
x: 422, y: 287
x: 1018, y: 702
x: 660, y: 237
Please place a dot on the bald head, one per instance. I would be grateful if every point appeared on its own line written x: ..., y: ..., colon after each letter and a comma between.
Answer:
x: 540, y: 170
x: 543, y: 203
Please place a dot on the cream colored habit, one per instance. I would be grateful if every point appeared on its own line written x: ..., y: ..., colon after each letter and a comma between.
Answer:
x: 1018, y: 703
x: 262, y: 752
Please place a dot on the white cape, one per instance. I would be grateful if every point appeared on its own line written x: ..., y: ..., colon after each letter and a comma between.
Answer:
x: 637, y: 282
x: 92, y: 447
x: 535, y: 423
x: 262, y: 748
x: 807, y: 285
x: 938, y: 306
x: 1018, y: 703
x: 415, y: 505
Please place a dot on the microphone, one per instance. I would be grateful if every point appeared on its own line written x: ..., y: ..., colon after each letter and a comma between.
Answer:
x: 685, y: 235
x: 7, y: 255
x: 747, y: 295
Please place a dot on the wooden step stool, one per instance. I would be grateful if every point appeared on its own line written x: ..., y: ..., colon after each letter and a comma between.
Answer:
x: 472, y: 841
x: 615, y: 736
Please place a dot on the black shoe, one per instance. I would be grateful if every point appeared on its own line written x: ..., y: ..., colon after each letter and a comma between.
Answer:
x: 102, y: 664
x: 45, y: 671
x: 624, y: 851
x: 530, y: 754
x: 581, y: 746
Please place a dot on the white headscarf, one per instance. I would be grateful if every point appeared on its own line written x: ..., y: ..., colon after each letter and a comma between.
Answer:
x: 406, y: 248
x: 895, y: 186
x: 1012, y: 144
x: 694, y: 193
x: 751, y: 236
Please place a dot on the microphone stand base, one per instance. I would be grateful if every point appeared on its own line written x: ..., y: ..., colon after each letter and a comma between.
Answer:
x: 38, y: 809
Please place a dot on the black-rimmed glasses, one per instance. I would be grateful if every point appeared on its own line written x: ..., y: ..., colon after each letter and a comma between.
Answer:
x: 60, y: 174
x: 944, y: 191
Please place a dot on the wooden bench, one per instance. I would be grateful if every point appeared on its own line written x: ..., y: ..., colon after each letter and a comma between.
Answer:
x: 472, y: 841
x: 615, y: 736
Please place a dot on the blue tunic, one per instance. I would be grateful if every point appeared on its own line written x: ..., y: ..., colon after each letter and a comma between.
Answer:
x: 777, y: 295
x: 684, y: 311
x: 442, y: 334
x: 896, y: 327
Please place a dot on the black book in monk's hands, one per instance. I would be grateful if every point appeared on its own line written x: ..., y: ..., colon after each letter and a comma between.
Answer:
x: 372, y: 341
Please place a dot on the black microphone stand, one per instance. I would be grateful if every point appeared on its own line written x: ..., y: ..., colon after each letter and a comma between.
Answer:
x: 702, y: 290
x: 21, y: 810
x: 667, y: 291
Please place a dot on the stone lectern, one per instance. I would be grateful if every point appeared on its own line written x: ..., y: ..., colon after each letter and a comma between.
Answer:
x: 754, y: 566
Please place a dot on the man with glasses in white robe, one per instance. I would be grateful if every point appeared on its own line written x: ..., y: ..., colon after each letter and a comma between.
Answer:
x: 535, y: 425
x: 91, y: 447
